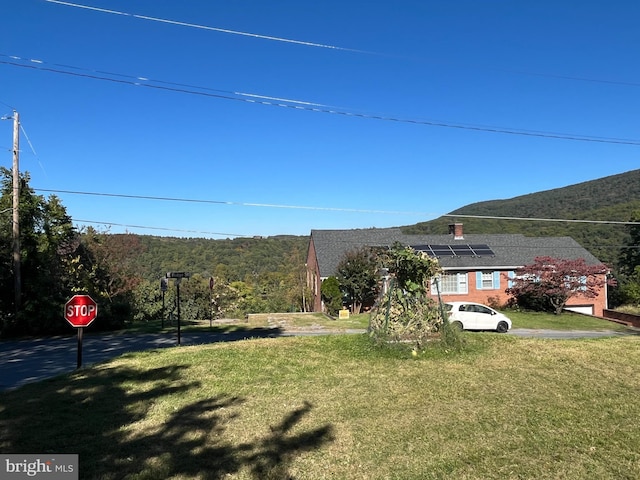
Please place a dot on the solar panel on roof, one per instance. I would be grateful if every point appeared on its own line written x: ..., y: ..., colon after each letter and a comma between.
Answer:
x: 457, y: 250
x: 441, y: 250
x: 482, y: 250
x: 462, y: 251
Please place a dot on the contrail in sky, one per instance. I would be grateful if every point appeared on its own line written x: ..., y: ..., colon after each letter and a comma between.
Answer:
x: 205, y: 27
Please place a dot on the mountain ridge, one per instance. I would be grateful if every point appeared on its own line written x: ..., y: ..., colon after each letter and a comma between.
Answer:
x: 614, y: 198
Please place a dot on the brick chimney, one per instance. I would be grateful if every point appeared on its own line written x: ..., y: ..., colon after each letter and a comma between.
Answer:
x: 457, y: 231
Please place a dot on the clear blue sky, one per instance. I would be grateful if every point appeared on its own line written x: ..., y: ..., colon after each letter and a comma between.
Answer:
x: 561, y: 68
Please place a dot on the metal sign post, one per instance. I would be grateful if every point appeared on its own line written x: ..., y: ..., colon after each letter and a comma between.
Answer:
x: 178, y: 276
x: 80, y: 311
x: 164, y: 284
x: 211, y: 283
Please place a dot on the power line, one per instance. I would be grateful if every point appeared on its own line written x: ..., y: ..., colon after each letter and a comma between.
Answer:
x: 205, y: 27
x: 165, y: 229
x: 319, y: 108
x: 332, y: 209
x: 137, y: 79
x: 612, y: 222
x: 333, y: 47
x: 241, y: 204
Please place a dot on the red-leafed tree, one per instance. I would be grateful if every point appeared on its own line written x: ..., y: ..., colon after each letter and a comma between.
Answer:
x: 549, y: 283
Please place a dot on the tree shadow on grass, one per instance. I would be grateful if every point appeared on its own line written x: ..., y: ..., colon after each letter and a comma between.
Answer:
x: 109, y: 416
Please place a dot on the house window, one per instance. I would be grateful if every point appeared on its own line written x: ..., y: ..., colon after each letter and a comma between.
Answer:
x: 487, y: 280
x: 450, y: 283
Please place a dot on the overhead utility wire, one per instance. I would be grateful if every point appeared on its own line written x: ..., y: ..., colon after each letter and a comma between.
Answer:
x: 332, y: 47
x: 543, y: 219
x: 335, y: 209
x: 112, y: 224
x: 205, y: 27
x: 138, y: 79
x: 312, y: 108
x: 241, y: 204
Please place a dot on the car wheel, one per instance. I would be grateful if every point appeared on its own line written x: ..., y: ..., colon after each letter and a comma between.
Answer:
x: 503, y: 327
x: 456, y: 325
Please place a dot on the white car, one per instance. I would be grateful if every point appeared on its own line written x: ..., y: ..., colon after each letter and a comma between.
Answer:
x: 475, y: 316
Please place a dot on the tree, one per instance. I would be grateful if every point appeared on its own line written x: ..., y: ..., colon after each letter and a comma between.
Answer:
x: 331, y: 295
x: 405, y: 312
x: 628, y: 279
x: 630, y: 256
x: 549, y: 283
x: 48, y: 247
x: 357, y: 274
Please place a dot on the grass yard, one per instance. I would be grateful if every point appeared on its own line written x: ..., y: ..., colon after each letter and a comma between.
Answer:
x: 335, y: 407
x: 318, y: 321
x: 566, y: 321
x: 286, y: 321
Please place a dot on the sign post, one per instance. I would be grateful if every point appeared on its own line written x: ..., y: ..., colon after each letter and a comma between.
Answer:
x: 164, y: 284
x: 211, y: 283
x: 80, y: 311
x: 177, y: 276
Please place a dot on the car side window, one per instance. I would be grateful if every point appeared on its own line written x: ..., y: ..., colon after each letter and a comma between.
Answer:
x: 484, y: 310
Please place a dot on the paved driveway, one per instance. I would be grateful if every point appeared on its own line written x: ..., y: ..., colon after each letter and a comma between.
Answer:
x: 26, y: 361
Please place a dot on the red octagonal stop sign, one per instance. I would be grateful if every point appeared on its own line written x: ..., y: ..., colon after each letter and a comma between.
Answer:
x: 80, y: 310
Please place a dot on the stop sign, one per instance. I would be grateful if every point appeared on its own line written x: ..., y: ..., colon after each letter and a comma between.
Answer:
x: 80, y: 310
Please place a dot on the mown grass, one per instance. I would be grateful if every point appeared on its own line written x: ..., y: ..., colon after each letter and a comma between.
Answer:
x: 318, y: 321
x: 565, y: 321
x: 288, y: 321
x: 336, y: 407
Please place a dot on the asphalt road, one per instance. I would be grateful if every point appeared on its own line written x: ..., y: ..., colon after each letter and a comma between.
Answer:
x: 27, y: 361
x: 31, y: 360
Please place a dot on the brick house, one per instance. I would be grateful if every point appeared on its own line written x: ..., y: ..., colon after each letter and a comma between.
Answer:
x: 476, y: 267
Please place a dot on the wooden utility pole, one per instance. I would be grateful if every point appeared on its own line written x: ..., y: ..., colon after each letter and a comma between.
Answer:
x: 17, y: 280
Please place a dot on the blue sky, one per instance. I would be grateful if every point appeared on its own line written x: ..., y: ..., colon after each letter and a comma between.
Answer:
x: 203, y: 122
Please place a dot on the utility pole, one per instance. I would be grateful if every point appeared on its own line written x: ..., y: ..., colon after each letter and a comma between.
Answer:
x: 17, y: 280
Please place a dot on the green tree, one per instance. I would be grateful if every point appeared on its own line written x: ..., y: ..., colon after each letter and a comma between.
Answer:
x: 331, y: 295
x: 48, y: 247
x: 628, y: 278
x: 357, y: 274
x: 405, y: 312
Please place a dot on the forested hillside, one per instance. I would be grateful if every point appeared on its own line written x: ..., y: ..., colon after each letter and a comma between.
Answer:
x: 613, y: 198
x: 231, y: 259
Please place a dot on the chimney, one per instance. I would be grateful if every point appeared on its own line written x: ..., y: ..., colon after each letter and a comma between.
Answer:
x: 456, y: 230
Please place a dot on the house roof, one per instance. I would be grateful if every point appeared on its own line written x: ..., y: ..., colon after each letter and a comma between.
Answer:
x: 510, y: 250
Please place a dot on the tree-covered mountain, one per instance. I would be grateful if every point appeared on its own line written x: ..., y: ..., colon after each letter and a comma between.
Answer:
x: 613, y: 198
x: 232, y: 259
x: 609, y: 199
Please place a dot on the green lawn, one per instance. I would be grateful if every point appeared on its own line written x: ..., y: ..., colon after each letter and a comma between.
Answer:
x: 335, y: 407
x: 565, y: 321
x: 318, y: 321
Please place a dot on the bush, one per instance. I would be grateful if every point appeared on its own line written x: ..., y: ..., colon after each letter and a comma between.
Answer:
x: 331, y: 295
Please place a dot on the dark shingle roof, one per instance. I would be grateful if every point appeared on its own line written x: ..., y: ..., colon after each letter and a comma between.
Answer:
x: 511, y: 251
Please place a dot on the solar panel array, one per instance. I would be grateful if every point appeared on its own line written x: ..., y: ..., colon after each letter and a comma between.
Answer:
x: 460, y: 250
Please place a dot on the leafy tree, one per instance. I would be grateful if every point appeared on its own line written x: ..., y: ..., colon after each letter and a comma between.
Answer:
x: 631, y: 288
x: 629, y: 267
x: 630, y: 256
x: 331, y: 295
x: 405, y: 312
x: 48, y: 249
x: 109, y: 275
x: 549, y: 283
x: 357, y: 274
